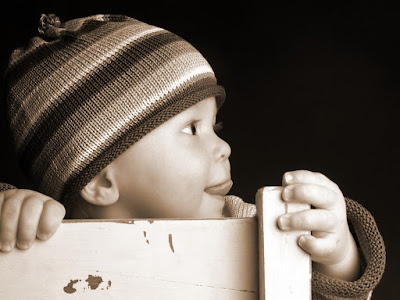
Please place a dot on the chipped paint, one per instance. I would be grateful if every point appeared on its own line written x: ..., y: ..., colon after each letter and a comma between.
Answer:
x: 170, y: 242
x: 108, y: 286
x: 70, y: 286
x: 151, y: 221
x: 94, y: 281
x: 144, y: 234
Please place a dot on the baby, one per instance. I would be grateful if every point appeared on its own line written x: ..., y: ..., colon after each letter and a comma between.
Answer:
x: 115, y: 118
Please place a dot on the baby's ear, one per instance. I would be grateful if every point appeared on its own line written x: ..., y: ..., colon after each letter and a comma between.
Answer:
x: 103, y: 189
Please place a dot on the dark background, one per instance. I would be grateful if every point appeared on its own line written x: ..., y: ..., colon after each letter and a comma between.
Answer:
x: 309, y: 86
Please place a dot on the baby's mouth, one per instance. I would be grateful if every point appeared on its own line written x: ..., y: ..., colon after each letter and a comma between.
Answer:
x: 220, y: 189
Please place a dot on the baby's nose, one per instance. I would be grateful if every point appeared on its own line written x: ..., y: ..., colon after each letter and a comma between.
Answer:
x: 222, y: 149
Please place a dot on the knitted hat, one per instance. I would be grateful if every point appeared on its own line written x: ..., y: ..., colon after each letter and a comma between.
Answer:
x: 88, y: 89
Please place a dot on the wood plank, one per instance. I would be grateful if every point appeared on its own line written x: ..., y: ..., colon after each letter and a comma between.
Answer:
x: 143, y: 259
x: 285, y: 269
x: 165, y: 259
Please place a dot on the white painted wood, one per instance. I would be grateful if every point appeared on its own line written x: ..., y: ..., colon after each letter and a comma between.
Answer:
x: 160, y: 259
x: 285, y: 269
x: 165, y: 259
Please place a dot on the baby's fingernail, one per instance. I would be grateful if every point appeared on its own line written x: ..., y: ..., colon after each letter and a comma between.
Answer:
x: 6, y: 247
x: 23, y: 245
x: 283, y: 222
x: 42, y: 236
x: 302, y: 240
x: 288, y: 177
x: 287, y: 194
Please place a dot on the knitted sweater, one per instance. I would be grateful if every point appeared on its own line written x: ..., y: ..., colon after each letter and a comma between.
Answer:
x: 369, y: 240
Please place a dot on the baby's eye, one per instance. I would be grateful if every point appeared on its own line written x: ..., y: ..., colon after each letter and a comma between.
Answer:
x: 190, y: 129
x: 218, y: 127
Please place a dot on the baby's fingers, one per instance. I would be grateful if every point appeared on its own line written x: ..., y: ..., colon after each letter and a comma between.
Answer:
x: 52, y: 216
x: 320, y: 249
x: 304, y: 176
x: 10, y: 211
x: 308, y: 220
x: 316, y: 195
x: 28, y: 222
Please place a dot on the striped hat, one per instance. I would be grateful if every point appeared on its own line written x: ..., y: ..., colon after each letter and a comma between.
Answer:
x: 86, y: 90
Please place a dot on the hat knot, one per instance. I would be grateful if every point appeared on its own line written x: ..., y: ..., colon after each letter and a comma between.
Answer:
x: 49, y: 26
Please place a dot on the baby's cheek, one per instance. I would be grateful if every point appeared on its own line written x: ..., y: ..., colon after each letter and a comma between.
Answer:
x: 192, y: 201
x: 178, y: 201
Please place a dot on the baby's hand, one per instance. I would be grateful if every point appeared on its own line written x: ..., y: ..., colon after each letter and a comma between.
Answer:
x: 331, y: 245
x: 25, y: 215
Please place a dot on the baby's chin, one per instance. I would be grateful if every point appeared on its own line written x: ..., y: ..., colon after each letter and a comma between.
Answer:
x: 217, y: 214
x: 213, y: 206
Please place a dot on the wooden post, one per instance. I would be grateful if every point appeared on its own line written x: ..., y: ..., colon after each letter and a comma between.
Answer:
x: 285, y: 269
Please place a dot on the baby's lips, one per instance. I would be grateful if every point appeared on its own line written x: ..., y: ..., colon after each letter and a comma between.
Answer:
x: 220, y: 189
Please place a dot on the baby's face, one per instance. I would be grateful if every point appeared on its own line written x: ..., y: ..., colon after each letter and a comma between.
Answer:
x: 179, y: 170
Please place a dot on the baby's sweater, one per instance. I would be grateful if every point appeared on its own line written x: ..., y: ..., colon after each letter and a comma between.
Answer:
x: 366, y: 234
x: 369, y: 241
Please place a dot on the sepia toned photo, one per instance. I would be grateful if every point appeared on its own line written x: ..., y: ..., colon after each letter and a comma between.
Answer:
x: 199, y: 151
